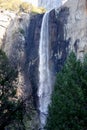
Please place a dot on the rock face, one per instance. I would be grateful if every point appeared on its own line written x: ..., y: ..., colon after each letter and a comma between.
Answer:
x: 49, y: 4
x: 14, y: 46
x: 76, y: 26
x: 20, y: 43
x: 20, y: 38
x: 68, y: 31
x: 32, y: 59
x: 5, y: 19
x: 67, y: 27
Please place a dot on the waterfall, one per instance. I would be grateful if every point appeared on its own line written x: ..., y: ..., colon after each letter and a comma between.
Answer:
x: 45, y: 87
x: 45, y: 77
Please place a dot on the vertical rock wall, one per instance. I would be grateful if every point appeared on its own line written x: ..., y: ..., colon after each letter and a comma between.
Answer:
x: 32, y: 59
x: 14, y: 46
x: 67, y: 30
x: 49, y: 4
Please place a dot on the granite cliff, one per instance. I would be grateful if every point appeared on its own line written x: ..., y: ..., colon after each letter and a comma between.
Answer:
x: 20, y: 36
x: 67, y: 29
x: 49, y: 4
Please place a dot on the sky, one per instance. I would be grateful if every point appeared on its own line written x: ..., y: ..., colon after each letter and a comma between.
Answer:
x: 34, y: 2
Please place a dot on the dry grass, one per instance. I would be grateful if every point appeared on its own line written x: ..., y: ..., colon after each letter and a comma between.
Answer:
x: 20, y: 6
x: 10, y: 4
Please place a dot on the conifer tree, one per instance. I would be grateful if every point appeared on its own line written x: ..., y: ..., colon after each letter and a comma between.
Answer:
x: 68, y: 110
x: 10, y: 105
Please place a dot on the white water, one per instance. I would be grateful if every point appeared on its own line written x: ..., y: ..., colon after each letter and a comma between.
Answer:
x: 45, y: 88
x: 45, y: 77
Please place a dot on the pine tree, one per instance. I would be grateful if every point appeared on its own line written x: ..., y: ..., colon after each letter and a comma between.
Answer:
x: 10, y: 105
x: 68, y: 110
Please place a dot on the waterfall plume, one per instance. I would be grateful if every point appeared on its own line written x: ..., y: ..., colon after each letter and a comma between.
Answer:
x: 45, y: 88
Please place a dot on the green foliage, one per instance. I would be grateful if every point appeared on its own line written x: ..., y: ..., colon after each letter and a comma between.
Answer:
x: 68, y: 110
x: 10, y: 105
